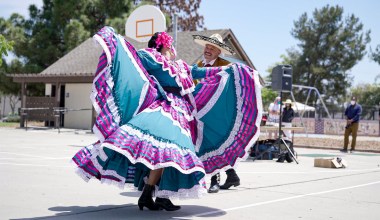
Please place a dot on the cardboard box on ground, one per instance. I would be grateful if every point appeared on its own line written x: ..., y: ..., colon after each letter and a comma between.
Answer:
x: 335, y: 162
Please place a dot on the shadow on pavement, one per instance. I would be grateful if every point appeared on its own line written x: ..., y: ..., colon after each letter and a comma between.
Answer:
x: 127, y: 211
x: 131, y: 194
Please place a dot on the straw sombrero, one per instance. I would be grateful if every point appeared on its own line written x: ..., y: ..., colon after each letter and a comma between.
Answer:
x: 215, y: 40
x: 288, y: 101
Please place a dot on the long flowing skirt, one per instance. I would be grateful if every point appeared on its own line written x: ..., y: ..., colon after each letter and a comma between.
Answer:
x: 229, y: 109
x: 139, y: 129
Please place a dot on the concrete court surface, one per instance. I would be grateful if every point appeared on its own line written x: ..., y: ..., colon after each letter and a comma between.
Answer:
x: 38, y: 182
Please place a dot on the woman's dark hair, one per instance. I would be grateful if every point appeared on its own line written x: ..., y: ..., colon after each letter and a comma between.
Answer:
x: 152, y: 42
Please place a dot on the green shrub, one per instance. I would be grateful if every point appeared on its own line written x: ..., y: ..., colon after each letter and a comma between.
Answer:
x: 12, y: 118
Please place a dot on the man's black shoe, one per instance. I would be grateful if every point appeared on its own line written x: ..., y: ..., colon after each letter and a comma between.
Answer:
x: 288, y: 158
x: 214, y: 188
x: 228, y: 184
x: 344, y: 151
x: 281, y: 158
x: 232, y: 179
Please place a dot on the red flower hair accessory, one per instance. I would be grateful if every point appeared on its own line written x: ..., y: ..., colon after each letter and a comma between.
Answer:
x: 164, y: 39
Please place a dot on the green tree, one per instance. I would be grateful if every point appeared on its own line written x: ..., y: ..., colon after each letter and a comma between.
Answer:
x: 368, y: 96
x: 54, y: 30
x: 267, y: 95
x: 330, y: 45
x: 5, y: 46
x: 61, y: 25
x: 7, y: 87
x: 375, y: 55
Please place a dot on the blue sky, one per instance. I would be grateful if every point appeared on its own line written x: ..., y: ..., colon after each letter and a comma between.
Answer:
x: 263, y: 27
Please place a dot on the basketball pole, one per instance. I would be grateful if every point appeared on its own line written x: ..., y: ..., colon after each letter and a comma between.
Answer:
x: 280, y: 118
x: 175, y: 24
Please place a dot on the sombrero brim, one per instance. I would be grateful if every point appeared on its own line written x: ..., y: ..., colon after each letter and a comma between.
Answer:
x: 202, y: 40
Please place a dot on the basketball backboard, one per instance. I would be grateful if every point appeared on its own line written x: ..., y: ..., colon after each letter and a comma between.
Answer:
x: 144, y: 22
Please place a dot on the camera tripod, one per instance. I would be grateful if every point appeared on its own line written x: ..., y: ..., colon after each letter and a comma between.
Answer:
x: 279, y: 141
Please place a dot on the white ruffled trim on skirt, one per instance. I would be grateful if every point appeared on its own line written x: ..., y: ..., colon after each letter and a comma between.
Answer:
x: 122, y: 185
x: 196, y: 192
x: 97, y: 150
x: 153, y: 141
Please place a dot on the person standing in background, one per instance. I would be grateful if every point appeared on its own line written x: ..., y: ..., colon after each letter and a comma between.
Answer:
x: 352, y: 114
x: 287, y: 117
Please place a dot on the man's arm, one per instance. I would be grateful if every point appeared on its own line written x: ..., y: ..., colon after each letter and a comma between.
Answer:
x: 202, y: 72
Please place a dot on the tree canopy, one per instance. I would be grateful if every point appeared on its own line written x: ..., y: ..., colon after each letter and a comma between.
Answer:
x: 59, y: 26
x: 6, y: 86
x: 375, y: 55
x: 329, y: 46
x: 5, y: 46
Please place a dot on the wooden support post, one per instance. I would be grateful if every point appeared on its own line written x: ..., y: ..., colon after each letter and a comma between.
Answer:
x: 23, y: 104
x: 57, y: 98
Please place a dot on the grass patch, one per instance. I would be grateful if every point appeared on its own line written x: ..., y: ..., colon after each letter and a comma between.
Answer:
x: 364, y: 154
x: 9, y: 124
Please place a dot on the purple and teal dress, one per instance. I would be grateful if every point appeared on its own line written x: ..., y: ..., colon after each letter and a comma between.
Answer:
x: 150, y: 116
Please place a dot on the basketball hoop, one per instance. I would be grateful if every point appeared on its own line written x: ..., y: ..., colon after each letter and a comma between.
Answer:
x: 144, y: 22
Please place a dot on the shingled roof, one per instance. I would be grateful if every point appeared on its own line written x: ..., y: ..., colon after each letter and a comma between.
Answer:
x: 81, y: 62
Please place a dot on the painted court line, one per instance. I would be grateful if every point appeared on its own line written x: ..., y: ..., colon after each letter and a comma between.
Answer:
x: 33, y: 165
x: 279, y: 200
x: 28, y: 155
x: 43, y: 148
x: 308, y: 172
x: 56, y: 158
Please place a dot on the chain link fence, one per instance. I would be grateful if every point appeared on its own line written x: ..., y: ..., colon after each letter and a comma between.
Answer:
x: 337, y: 112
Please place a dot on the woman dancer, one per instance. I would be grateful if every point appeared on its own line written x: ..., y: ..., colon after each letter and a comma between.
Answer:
x: 159, y: 133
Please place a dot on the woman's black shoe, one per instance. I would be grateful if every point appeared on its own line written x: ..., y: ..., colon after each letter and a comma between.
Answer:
x: 166, y: 204
x: 146, y: 198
